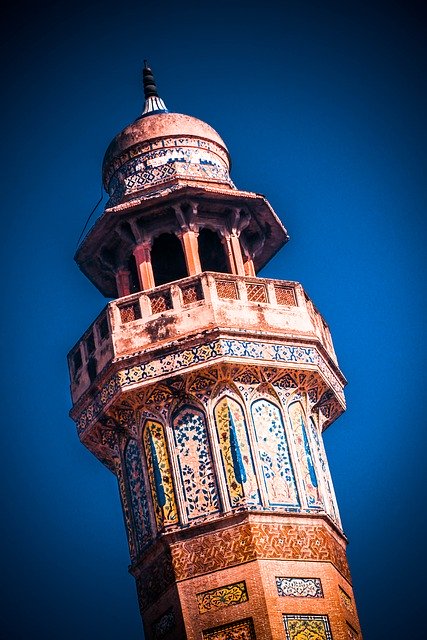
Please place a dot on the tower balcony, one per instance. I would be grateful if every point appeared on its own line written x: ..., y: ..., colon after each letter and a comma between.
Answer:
x: 165, y: 316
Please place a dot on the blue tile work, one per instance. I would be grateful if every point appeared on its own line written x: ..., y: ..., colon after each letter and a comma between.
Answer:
x: 236, y: 453
x: 274, y: 456
x: 209, y: 352
x: 299, y: 587
x: 162, y: 164
x: 305, y: 458
x: 163, y: 625
x: 330, y: 502
x: 195, y: 465
x: 137, y: 493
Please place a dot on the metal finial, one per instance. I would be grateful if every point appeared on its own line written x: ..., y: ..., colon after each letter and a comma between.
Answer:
x: 150, y: 89
x: 153, y: 104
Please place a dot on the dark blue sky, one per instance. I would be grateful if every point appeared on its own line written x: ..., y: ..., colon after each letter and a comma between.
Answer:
x: 322, y: 105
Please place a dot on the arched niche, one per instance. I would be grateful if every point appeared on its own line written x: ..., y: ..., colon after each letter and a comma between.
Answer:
x: 305, y: 456
x: 236, y: 454
x: 160, y: 474
x: 137, y: 494
x: 274, y: 455
x: 194, y: 459
x: 211, y: 252
x: 167, y: 259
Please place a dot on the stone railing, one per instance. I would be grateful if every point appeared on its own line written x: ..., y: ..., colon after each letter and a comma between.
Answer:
x: 168, y: 312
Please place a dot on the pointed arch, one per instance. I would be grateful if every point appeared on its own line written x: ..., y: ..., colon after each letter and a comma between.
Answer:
x: 160, y: 474
x: 274, y: 455
x: 194, y: 459
x: 305, y: 458
x: 137, y: 494
x: 236, y: 455
x: 167, y: 259
x: 211, y: 252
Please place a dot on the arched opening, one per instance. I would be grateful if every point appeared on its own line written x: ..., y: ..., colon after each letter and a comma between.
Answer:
x: 134, y: 285
x: 211, y: 252
x: 167, y: 259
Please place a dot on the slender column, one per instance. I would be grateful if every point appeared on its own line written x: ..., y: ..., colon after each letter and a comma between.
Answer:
x: 143, y: 265
x: 249, y: 267
x: 191, y: 252
x: 237, y: 255
x: 226, y: 243
x: 123, y: 282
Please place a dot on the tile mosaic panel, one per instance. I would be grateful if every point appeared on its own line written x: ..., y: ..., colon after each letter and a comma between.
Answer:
x: 305, y: 459
x: 305, y: 627
x: 209, y: 352
x: 236, y: 453
x: 299, y: 587
x: 195, y: 463
x: 127, y: 515
x: 222, y: 597
x: 160, y: 474
x: 138, y: 497
x: 346, y: 600
x: 240, y: 630
x: 274, y: 454
x: 352, y: 633
x: 331, y: 507
x: 163, y: 625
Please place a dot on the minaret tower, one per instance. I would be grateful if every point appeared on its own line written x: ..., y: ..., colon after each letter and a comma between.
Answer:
x: 205, y: 390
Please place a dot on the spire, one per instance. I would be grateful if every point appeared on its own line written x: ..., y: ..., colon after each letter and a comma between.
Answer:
x: 153, y: 104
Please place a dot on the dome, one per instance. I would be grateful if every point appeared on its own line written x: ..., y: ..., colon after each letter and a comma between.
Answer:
x: 162, y: 149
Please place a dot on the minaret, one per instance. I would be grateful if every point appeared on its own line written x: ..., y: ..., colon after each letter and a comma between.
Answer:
x: 205, y: 390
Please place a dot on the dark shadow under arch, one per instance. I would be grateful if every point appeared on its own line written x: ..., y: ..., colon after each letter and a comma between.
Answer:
x: 167, y: 259
x: 211, y: 252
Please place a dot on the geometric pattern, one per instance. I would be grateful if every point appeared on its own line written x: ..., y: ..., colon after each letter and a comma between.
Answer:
x: 305, y: 627
x: 156, y: 149
x: 173, y: 362
x: 159, y: 165
x: 222, y: 597
x: 251, y: 541
x: 240, y: 630
x: 299, y: 587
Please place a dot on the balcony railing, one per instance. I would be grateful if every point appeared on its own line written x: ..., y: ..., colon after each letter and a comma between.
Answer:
x: 134, y: 322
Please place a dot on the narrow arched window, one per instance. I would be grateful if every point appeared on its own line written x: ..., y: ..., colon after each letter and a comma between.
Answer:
x: 160, y: 474
x: 236, y: 453
x: 198, y: 482
x: 274, y: 456
x: 167, y: 259
x: 304, y: 453
x: 211, y: 252
x: 137, y: 494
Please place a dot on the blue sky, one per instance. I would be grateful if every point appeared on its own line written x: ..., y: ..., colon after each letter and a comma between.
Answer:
x: 322, y: 106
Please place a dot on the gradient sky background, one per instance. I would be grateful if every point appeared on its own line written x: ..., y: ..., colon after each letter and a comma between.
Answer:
x: 322, y: 106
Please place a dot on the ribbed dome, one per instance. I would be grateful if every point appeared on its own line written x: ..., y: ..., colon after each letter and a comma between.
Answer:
x: 160, y: 148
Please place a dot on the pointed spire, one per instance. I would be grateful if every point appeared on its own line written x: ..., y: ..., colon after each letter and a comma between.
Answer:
x: 153, y: 104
